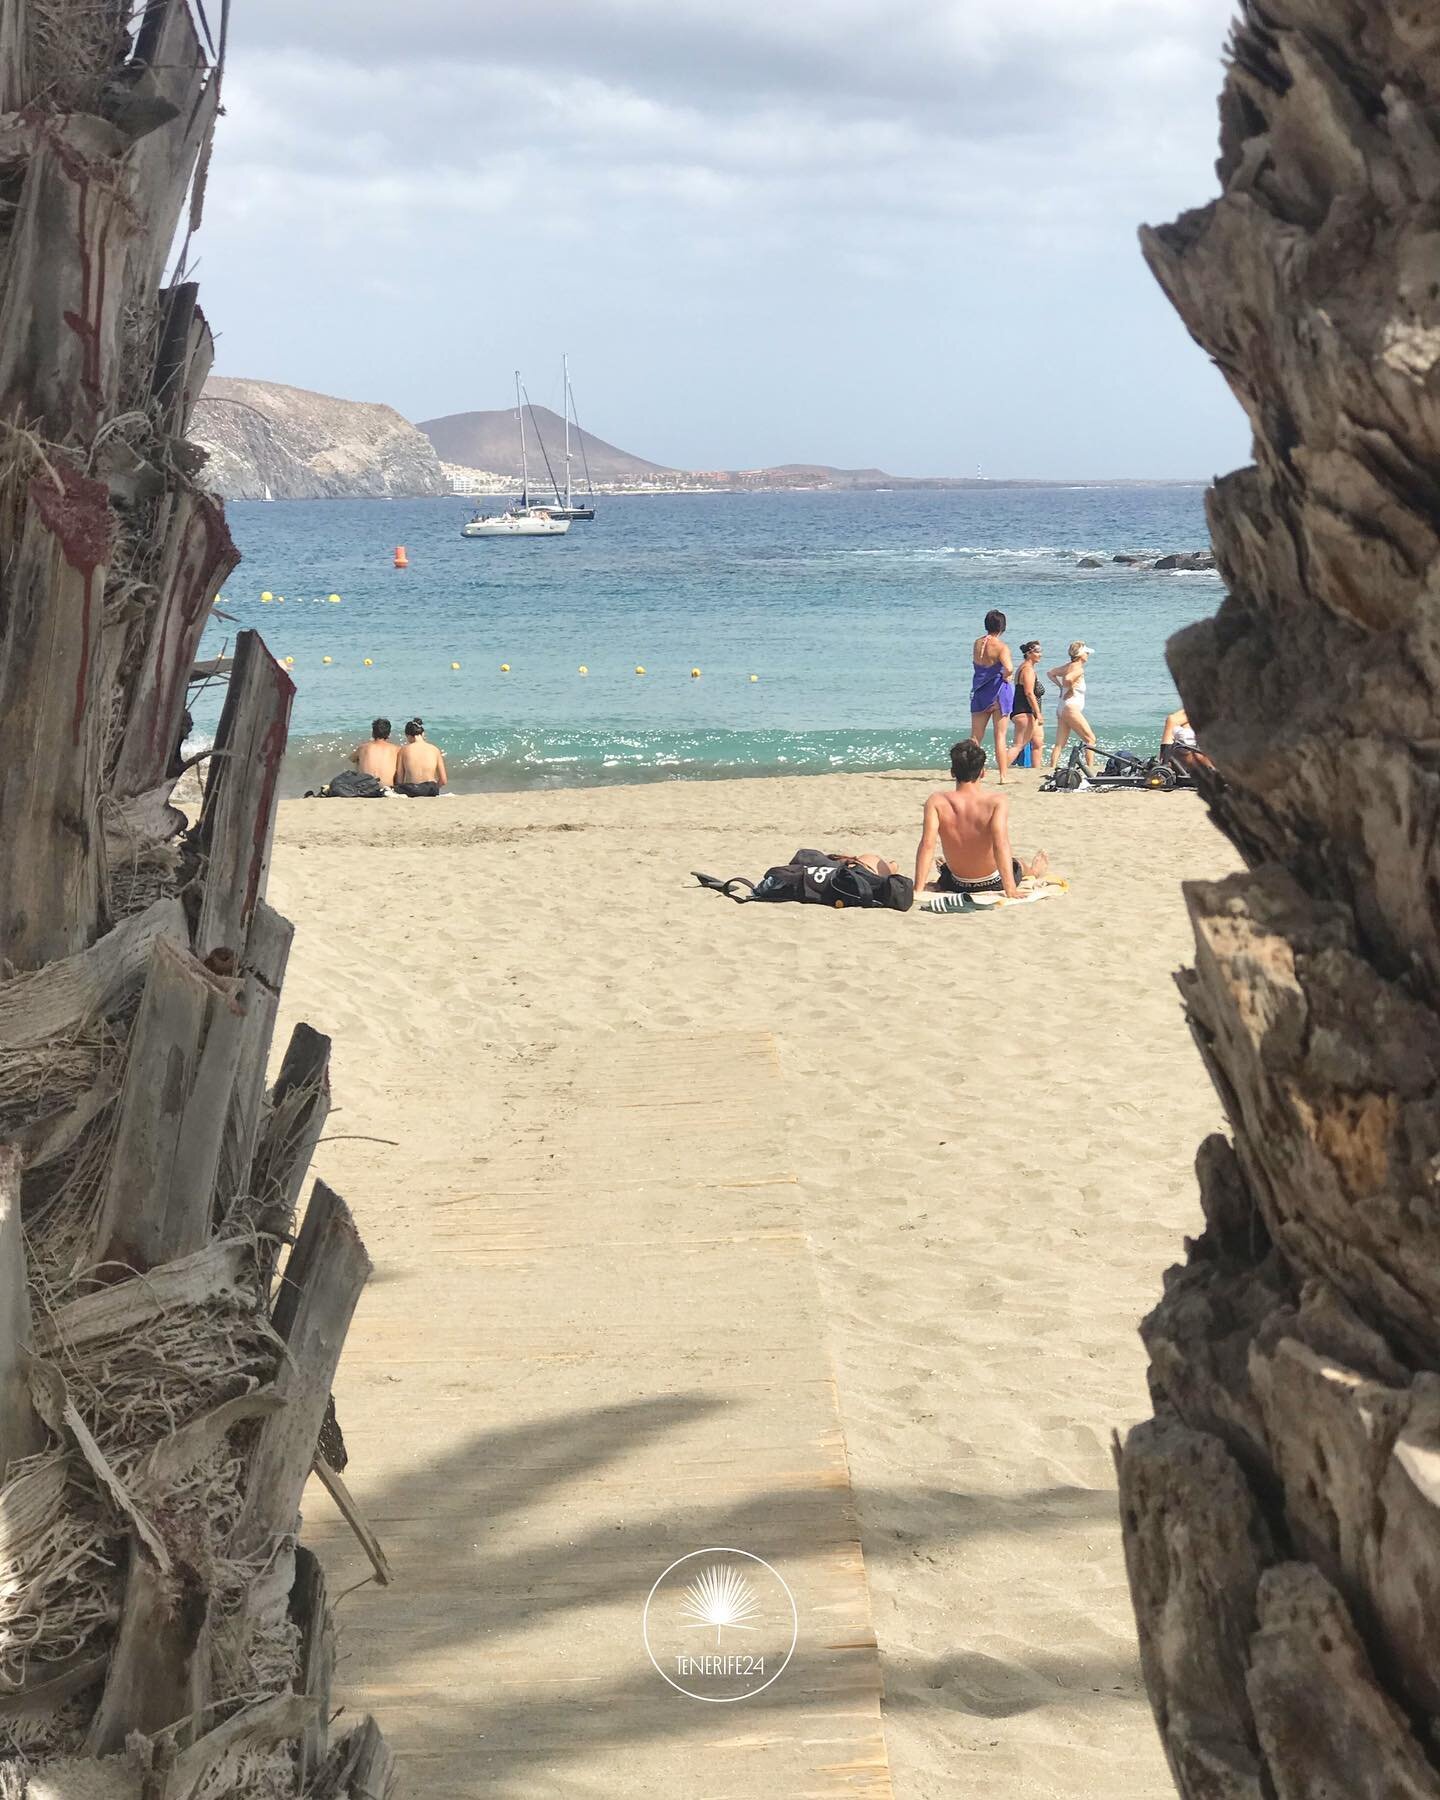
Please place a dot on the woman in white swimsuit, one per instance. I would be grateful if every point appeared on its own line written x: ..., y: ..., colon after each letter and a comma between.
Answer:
x: 1070, y: 679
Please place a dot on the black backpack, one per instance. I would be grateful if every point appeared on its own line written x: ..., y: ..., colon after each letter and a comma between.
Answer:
x: 812, y: 877
x: 350, y: 784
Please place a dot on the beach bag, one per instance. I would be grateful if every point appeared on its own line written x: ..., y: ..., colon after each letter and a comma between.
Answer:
x: 827, y: 880
x: 811, y: 877
x: 852, y: 884
x: 804, y: 877
x: 350, y: 784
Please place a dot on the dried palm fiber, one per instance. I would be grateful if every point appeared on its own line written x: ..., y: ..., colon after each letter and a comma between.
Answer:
x: 161, y: 1430
x: 62, y: 1202
x: 72, y: 50
x: 45, y: 1080
x: 251, y: 1775
x: 150, y: 874
x: 58, y: 1579
x: 60, y: 1565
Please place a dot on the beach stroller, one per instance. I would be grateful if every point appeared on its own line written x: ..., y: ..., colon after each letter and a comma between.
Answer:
x: 1114, y: 769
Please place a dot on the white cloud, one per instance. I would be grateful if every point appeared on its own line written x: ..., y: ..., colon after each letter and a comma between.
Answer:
x: 1033, y: 112
x: 614, y: 160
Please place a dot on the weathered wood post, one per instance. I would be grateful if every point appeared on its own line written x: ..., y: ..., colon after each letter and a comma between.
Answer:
x: 1282, y: 1510
x: 160, y: 1394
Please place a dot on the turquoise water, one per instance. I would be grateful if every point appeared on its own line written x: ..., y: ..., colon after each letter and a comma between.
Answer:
x: 856, y: 612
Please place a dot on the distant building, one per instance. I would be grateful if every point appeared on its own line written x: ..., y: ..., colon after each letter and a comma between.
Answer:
x: 479, y: 481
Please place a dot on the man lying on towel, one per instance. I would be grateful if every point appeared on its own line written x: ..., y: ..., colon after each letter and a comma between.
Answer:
x: 972, y: 831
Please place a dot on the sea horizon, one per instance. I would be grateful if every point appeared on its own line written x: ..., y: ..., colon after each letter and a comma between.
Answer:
x: 892, y: 484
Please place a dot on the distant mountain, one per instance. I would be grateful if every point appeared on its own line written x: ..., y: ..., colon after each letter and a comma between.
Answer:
x: 491, y: 440
x: 305, y: 446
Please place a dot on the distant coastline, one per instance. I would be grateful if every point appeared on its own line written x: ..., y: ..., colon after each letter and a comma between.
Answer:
x: 504, y: 489
x: 269, y: 441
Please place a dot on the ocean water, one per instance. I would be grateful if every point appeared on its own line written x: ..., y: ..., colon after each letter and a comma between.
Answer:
x: 855, y: 613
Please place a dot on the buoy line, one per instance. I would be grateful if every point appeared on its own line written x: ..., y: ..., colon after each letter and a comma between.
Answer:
x: 368, y: 662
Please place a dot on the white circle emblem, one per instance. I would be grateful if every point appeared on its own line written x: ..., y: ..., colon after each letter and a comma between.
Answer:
x: 720, y: 1625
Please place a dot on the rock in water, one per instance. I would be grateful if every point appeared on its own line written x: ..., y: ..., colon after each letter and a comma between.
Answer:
x: 1090, y: 562
x: 1190, y: 559
x: 304, y: 446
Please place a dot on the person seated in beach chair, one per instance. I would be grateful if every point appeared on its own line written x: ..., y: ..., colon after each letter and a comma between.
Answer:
x: 377, y: 756
x: 420, y: 770
x: 971, y: 829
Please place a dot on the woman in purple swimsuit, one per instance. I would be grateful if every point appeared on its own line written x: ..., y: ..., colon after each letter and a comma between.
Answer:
x: 992, y: 688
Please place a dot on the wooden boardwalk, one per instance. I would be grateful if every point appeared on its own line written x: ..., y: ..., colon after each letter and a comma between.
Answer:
x: 601, y: 1352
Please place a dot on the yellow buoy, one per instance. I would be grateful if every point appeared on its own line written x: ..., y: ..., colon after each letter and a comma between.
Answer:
x: 694, y: 674
x: 583, y: 669
x: 504, y: 668
x: 454, y: 665
x: 325, y: 659
x: 289, y: 662
x: 754, y: 677
x: 639, y: 668
x: 267, y: 595
x: 334, y: 599
x: 369, y: 663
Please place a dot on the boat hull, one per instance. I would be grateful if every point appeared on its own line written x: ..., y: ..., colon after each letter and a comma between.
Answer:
x: 498, y: 528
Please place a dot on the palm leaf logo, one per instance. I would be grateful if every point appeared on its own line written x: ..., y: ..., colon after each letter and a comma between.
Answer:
x: 722, y: 1597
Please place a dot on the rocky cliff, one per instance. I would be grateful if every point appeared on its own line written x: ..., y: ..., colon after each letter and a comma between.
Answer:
x: 305, y: 446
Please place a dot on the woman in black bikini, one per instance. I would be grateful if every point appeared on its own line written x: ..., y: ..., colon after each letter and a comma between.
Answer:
x: 1025, y: 713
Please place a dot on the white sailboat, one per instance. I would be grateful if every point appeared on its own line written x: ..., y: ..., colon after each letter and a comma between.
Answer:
x: 566, y: 508
x: 523, y: 520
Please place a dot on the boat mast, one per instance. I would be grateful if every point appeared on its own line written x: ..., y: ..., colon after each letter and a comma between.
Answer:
x: 524, y: 465
x: 568, y: 501
x: 584, y: 457
x: 541, y: 442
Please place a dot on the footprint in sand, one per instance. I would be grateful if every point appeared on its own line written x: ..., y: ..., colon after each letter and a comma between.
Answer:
x: 988, y: 1687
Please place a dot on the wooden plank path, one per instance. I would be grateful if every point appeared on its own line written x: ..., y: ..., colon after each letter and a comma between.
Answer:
x: 603, y: 1352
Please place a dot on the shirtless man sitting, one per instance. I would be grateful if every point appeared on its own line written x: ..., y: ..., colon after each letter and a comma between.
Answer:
x: 379, y: 756
x: 972, y: 830
x: 420, y: 772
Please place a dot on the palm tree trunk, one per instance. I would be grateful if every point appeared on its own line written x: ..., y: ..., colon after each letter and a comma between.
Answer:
x: 1280, y: 1510
x: 160, y: 1396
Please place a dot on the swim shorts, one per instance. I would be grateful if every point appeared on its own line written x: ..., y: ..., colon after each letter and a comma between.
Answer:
x: 986, y: 884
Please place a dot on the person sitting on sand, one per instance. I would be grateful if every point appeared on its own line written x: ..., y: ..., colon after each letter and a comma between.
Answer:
x: 972, y: 831
x: 1177, y: 744
x: 420, y: 772
x: 378, y: 756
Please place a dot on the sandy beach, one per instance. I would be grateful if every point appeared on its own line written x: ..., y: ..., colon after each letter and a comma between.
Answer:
x: 953, y: 1157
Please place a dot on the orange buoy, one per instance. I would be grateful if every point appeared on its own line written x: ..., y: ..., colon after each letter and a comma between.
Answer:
x: 402, y: 561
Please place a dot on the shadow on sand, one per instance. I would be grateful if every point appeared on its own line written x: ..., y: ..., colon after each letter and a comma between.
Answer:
x: 471, y: 1585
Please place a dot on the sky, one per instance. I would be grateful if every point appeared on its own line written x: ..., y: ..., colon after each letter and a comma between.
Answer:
x: 889, y: 233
